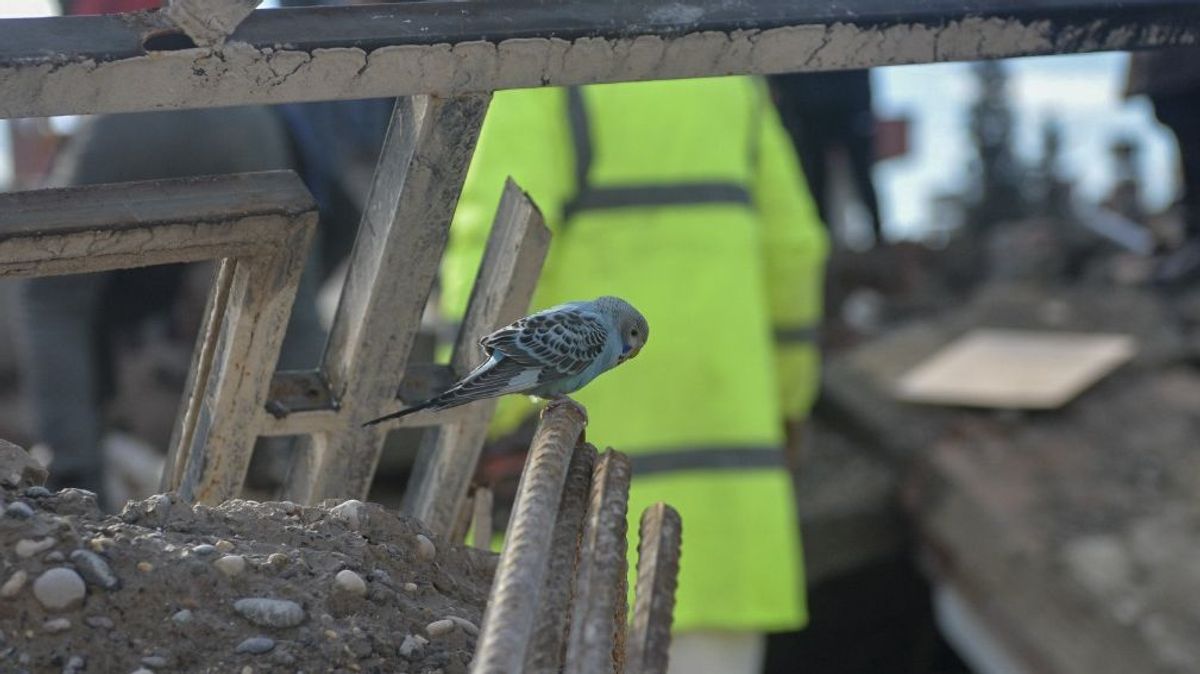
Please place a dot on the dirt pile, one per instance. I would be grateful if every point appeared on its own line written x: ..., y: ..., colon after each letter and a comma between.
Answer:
x: 242, y: 587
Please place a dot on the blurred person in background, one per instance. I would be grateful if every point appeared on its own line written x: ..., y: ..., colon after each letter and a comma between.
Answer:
x: 684, y: 198
x: 827, y: 113
x: 1170, y: 78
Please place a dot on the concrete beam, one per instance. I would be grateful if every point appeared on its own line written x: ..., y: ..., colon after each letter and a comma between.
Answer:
x: 115, y: 63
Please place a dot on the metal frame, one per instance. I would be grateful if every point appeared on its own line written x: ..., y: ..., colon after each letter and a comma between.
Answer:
x: 258, y: 225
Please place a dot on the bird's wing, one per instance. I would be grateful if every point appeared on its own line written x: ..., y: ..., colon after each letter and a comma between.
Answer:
x: 561, y: 342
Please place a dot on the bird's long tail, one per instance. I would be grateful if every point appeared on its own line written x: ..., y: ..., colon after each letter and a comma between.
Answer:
x: 461, y: 393
x: 404, y: 412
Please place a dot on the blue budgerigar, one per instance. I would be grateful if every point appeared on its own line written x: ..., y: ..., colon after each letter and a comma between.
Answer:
x: 548, y: 354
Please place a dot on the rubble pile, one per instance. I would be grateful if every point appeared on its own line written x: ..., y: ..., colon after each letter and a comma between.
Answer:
x: 241, y: 587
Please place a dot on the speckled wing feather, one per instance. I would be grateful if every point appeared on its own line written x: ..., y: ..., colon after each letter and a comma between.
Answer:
x: 561, y: 342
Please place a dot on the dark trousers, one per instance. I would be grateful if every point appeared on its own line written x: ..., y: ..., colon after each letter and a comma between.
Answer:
x: 824, y: 112
x: 1181, y: 113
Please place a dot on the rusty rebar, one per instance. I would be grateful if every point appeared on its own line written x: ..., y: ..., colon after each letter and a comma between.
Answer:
x: 548, y: 649
x: 602, y: 565
x: 657, y: 578
x: 508, y: 620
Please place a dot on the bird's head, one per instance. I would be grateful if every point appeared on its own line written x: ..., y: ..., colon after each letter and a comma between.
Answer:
x: 631, y: 325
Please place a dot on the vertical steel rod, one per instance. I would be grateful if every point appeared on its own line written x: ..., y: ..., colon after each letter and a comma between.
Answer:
x: 657, y: 577
x: 548, y: 649
x: 512, y: 606
x: 602, y: 566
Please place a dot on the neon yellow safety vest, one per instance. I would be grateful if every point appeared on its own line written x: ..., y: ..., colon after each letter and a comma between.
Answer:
x: 685, y: 198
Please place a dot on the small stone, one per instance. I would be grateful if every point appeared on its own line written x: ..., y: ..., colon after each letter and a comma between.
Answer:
x: 349, y: 512
x: 289, y: 507
x: 349, y: 582
x: 466, y: 625
x: 255, y: 645
x: 154, y: 661
x: 413, y: 643
x: 381, y: 576
x: 18, y: 468
x: 182, y: 617
x: 101, y: 543
x: 14, y: 584
x: 270, y: 612
x: 54, y: 557
x: 145, y: 567
x: 204, y: 550
x: 18, y: 510
x: 411, y: 587
x: 75, y: 663
x: 59, y: 588
x: 331, y: 635
x: 425, y: 548
x: 438, y: 628
x: 223, y: 545
x: 141, y: 670
x: 95, y: 569
x: 231, y: 565
x: 99, y: 622
x: 277, y: 560
x: 57, y: 625
x: 27, y: 547
x: 37, y: 492
x: 247, y: 670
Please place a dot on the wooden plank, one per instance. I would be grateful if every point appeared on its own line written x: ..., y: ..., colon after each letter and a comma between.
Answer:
x: 657, y: 578
x: 1015, y: 369
x: 84, y: 65
x: 548, y: 649
x: 508, y: 621
x: 599, y: 585
x: 220, y: 425
x: 122, y: 225
x: 481, y: 519
x: 392, y: 269
x: 504, y: 285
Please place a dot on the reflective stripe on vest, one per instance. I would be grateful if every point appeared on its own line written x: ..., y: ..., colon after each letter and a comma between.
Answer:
x: 592, y: 198
x: 800, y: 334
x: 707, y: 458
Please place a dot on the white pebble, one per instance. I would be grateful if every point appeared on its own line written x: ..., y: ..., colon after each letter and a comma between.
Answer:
x: 466, y: 625
x: 231, y: 565
x: 270, y: 612
x: 29, y: 548
x: 349, y: 512
x: 182, y: 616
x: 438, y: 628
x: 223, y: 545
x: 410, y: 587
x: 59, y: 588
x: 141, y: 670
x: 412, y: 643
x: 57, y: 625
x: 350, y: 582
x: 14, y: 584
x: 425, y: 548
x: 154, y: 661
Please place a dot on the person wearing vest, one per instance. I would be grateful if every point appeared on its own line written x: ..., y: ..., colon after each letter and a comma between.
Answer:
x: 684, y: 198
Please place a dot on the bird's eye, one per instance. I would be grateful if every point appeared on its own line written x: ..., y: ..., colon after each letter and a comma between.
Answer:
x: 633, y: 332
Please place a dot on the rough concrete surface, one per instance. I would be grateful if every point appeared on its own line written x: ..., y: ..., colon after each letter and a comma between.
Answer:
x: 242, y: 587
